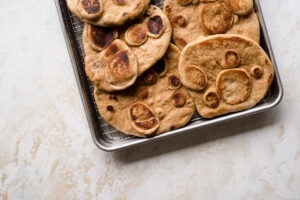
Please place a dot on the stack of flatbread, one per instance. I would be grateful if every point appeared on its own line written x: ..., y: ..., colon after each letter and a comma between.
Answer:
x: 145, y: 85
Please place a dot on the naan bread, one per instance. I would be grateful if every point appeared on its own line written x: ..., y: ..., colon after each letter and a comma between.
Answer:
x: 192, y: 20
x: 225, y: 73
x: 147, y: 39
x: 107, y: 12
x: 159, y: 31
x: 155, y: 104
x: 115, y: 68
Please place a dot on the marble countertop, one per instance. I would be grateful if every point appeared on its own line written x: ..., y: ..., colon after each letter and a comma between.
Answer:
x: 46, y: 151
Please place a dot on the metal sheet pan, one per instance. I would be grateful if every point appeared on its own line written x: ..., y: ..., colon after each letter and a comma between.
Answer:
x: 108, y: 138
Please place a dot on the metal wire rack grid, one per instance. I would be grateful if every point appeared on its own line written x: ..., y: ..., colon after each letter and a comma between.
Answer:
x: 112, y: 135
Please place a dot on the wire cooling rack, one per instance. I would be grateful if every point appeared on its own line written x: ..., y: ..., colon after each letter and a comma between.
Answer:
x: 110, y: 134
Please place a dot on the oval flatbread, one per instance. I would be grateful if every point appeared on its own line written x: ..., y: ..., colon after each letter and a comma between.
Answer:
x: 153, y: 105
x: 107, y: 12
x: 146, y: 39
x: 229, y: 73
x: 192, y: 20
x: 115, y: 68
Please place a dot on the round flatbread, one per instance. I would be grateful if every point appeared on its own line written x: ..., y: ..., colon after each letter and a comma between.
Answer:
x: 107, y: 12
x: 192, y: 20
x: 155, y: 104
x: 147, y: 38
x: 225, y: 73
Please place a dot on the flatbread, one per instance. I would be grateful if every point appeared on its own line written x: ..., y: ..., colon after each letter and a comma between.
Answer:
x: 107, y: 13
x: 225, y: 73
x: 192, y: 20
x: 159, y: 32
x: 147, y: 38
x: 155, y: 104
x: 115, y: 68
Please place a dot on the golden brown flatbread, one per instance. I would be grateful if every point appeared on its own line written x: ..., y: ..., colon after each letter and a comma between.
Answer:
x: 155, y: 104
x: 159, y: 31
x: 193, y: 19
x: 225, y: 73
x: 107, y: 13
x: 115, y: 68
x: 147, y: 39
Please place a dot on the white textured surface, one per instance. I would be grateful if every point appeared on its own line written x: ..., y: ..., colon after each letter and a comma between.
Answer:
x: 46, y: 151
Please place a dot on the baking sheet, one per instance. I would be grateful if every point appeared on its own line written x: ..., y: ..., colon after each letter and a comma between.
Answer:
x: 107, y: 137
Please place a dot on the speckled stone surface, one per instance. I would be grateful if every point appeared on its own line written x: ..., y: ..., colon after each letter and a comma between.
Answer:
x: 46, y: 151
